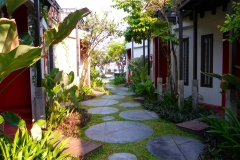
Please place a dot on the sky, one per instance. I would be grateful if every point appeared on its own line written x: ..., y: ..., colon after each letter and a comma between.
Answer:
x: 93, y: 5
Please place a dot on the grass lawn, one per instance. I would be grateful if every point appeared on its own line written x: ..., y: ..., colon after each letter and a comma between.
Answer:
x: 160, y: 127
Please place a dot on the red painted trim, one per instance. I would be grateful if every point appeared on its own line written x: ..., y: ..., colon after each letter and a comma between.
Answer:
x: 225, y: 61
x: 156, y: 59
x: 164, y: 62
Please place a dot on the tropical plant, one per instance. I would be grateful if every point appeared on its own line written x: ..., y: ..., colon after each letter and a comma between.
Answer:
x: 146, y: 90
x: 60, y: 90
x: 119, y: 80
x: 71, y: 124
x: 14, y: 56
x: 139, y: 72
x: 59, y: 87
x: 226, y: 80
x: 227, y: 133
x: 41, y: 145
x: 173, y: 114
x: 96, y: 81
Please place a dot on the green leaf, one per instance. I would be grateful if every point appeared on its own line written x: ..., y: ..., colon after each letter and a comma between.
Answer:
x: 12, y: 5
x: 65, y: 28
x: 224, y: 85
x: 72, y: 89
x: 8, y: 36
x: 1, y: 119
x: 20, y: 57
x: 231, y: 79
x: 2, y: 3
x: 40, y: 122
x: 237, y: 67
x: 13, y: 119
x: 58, y: 77
x: 71, y: 77
x: 213, y: 75
x: 25, y: 38
x: 56, y: 89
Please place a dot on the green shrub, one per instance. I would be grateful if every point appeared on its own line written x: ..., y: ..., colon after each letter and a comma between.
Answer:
x: 173, y: 114
x: 227, y: 133
x: 119, y: 80
x: 146, y: 90
x: 38, y: 145
x: 168, y: 100
x: 73, y: 122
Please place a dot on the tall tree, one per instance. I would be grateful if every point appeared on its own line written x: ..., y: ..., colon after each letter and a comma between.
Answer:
x: 147, y: 19
x: 116, y: 53
x: 99, y: 27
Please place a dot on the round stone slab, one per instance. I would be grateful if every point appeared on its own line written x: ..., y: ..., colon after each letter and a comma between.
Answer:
x: 125, y: 93
x: 113, y: 97
x: 119, y: 132
x: 175, y: 147
x: 108, y: 118
x: 102, y: 110
x: 119, y: 89
x: 139, y: 115
x: 129, y: 104
x: 122, y: 156
x: 99, y: 102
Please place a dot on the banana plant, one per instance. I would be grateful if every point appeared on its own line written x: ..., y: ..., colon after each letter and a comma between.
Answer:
x: 14, y: 56
x: 57, y: 85
x: 226, y: 80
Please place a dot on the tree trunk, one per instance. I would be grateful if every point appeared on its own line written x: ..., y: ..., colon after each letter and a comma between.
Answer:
x: 86, y: 62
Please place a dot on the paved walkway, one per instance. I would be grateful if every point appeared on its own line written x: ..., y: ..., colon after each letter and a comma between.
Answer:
x: 165, y: 147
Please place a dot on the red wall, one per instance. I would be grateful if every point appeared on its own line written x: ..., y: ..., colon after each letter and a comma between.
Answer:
x: 164, y: 62
x: 156, y: 59
x: 17, y: 96
x: 225, y: 61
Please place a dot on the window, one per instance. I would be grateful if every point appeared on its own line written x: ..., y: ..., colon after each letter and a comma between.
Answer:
x: 206, y: 59
x: 185, y: 60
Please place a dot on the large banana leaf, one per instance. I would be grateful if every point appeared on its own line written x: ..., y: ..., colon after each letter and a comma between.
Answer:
x: 8, y: 38
x: 54, y: 36
x: 12, y: 5
x: 18, y: 58
x: 13, y: 119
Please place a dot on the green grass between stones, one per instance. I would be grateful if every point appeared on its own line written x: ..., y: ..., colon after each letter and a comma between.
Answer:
x: 159, y: 126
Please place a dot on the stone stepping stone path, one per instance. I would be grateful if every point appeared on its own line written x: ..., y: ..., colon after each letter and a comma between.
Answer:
x: 138, y: 115
x: 108, y: 118
x: 129, y: 104
x: 175, y: 147
x: 119, y: 89
x: 119, y: 132
x: 103, y: 110
x: 125, y: 93
x: 99, y: 102
x: 122, y: 156
x: 113, y: 97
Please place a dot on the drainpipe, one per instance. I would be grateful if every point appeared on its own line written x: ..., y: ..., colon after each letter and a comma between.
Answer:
x: 37, y: 39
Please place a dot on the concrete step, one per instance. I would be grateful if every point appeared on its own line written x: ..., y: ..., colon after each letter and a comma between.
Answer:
x: 195, y: 126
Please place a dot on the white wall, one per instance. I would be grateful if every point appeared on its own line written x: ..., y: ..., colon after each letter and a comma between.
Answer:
x: 206, y: 25
x: 65, y: 56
